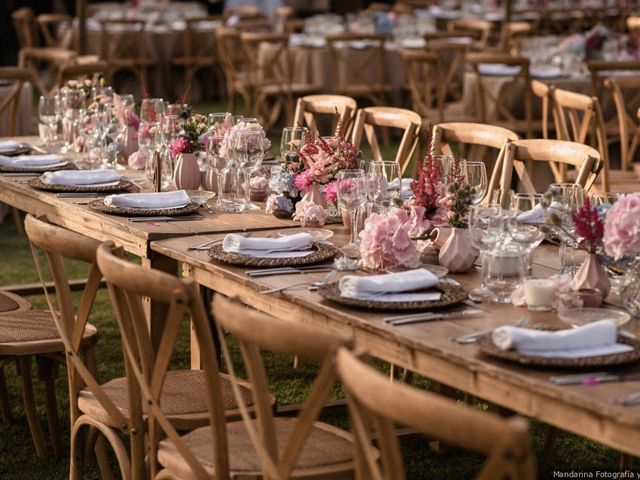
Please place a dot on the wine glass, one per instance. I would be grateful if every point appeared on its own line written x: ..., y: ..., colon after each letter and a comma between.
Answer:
x: 292, y: 140
x: 251, y: 150
x: 445, y: 162
x: 525, y: 220
x: 486, y: 229
x: 377, y: 187
x: 151, y: 110
x: 352, y: 194
x: 502, y: 199
x: 48, y: 112
x: 394, y: 178
x: 219, y: 165
x: 475, y: 175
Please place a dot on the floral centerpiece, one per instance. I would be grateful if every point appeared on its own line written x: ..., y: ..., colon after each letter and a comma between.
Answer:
x: 228, y: 145
x: 310, y: 214
x: 429, y: 191
x: 188, y: 140
x: 386, y: 240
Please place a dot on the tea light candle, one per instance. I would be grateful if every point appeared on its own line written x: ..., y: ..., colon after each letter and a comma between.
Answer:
x: 539, y: 294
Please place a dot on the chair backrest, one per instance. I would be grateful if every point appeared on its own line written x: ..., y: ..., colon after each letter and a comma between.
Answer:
x: 276, y: 69
x: 123, y: 40
x: 254, y: 25
x: 241, y: 12
x: 424, y: 82
x: 280, y: 18
x: 452, y: 52
x: 511, y: 36
x: 399, y: 118
x: 466, y: 136
x: 584, y: 158
x: 198, y: 39
x: 79, y: 71
x: 505, y: 442
x: 56, y: 29
x: 625, y: 91
x: 229, y: 53
x: 358, y: 60
x: 482, y: 29
x: 24, y: 22
x: 578, y: 118
x: 146, y: 369
x: 497, y: 106
x: 544, y: 92
x: 341, y: 108
x: 254, y: 330
x: 600, y: 70
x: 58, y: 243
x: 9, y: 106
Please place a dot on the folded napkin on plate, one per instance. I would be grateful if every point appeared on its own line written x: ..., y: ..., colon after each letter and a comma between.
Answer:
x: 498, y: 69
x: 30, y: 161
x: 391, y: 287
x: 593, y: 339
x: 297, y: 245
x: 8, y: 145
x: 149, y: 200
x: 80, y: 177
x: 536, y: 214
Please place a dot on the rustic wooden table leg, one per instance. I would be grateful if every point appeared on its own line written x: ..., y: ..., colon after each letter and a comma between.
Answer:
x: 154, y: 312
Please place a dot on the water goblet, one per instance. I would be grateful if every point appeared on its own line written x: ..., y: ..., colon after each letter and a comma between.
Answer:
x: 352, y: 194
x: 475, y: 175
x: 251, y: 151
x: 292, y: 140
x: 525, y: 221
x: 486, y: 229
x: 48, y: 112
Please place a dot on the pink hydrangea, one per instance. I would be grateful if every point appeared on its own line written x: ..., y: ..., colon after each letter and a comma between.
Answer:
x: 258, y: 182
x: 386, y: 241
x: 137, y: 160
x: 310, y: 212
x: 622, y: 227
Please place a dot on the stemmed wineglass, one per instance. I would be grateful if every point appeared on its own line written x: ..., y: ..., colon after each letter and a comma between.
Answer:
x: 352, y: 194
x: 251, y: 153
x: 475, y: 175
x: 377, y: 191
x: 219, y: 165
x: 292, y: 139
x: 486, y: 229
x: 151, y: 110
x: 525, y: 221
x: 394, y: 178
x: 48, y: 112
x: 565, y: 199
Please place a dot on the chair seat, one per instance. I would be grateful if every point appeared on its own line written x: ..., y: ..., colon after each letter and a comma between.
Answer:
x: 32, y: 332
x: 184, y: 399
x: 325, y: 446
x: 10, y: 302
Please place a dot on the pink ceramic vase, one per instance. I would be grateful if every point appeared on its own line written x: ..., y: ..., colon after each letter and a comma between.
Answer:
x: 442, y: 235
x: 187, y: 174
x: 457, y: 254
x: 314, y: 195
x: 210, y: 181
x: 592, y: 275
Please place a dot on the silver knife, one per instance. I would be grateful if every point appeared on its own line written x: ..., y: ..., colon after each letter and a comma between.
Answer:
x: 593, y: 378
x: 164, y: 219
x: 426, y: 317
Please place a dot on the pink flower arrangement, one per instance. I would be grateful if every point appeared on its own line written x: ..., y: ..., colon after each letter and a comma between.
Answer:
x: 310, y: 213
x: 231, y: 137
x: 622, y: 227
x: 124, y: 113
x: 180, y: 145
x: 331, y: 192
x: 386, y: 241
x: 137, y: 160
x: 322, y: 158
x: 589, y: 227
x: 259, y: 182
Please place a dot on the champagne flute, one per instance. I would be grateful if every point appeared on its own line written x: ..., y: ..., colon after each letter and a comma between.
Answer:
x: 475, y: 175
x: 292, y: 140
x: 352, y: 194
x: 48, y: 112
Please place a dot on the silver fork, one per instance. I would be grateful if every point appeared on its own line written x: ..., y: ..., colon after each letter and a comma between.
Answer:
x: 473, y: 337
x: 312, y: 285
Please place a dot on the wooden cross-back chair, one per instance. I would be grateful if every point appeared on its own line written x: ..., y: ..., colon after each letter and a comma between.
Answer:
x: 471, y: 141
x: 124, y: 48
x: 585, y: 159
x: 271, y: 77
x: 481, y: 29
x: 254, y: 25
x: 511, y: 36
x: 241, y: 12
x: 56, y: 29
x: 199, y: 51
x: 79, y: 71
x: 342, y: 110
x: 234, y: 67
x: 505, y: 442
x: 9, y: 107
x: 424, y: 82
x: 407, y: 121
x: 358, y: 67
x: 53, y: 60
x: 544, y: 92
x: 172, y: 401
x: 281, y: 19
x: 496, y: 108
x: 24, y: 22
x: 625, y: 91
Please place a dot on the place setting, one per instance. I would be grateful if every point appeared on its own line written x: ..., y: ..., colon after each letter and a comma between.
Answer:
x: 146, y: 205
x: 82, y: 181
x: 11, y: 148
x: 34, y: 164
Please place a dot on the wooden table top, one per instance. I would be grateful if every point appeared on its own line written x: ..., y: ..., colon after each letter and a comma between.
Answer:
x: 427, y: 349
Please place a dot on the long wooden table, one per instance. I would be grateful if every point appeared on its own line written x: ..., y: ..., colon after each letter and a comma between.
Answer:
x: 427, y: 348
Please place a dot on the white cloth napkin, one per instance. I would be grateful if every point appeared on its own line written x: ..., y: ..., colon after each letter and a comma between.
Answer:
x: 8, y: 145
x: 593, y: 339
x: 297, y: 245
x: 391, y: 287
x: 149, y: 200
x: 30, y: 161
x: 80, y: 177
x: 536, y: 214
x: 498, y: 69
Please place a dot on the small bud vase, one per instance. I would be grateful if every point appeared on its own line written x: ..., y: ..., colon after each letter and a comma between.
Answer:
x: 314, y: 195
x: 592, y: 275
x: 187, y: 174
x: 457, y: 254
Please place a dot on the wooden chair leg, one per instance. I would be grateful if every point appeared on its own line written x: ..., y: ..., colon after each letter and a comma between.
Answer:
x: 549, y: 440
x: 626, y: 462
x: 5, y: 408
x: 30, y: 406
x: 17, y: 219
x: 47, y: 372
x: 102, y: 457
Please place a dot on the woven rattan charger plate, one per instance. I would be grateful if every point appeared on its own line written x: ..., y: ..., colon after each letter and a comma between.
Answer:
x: 451, y: 294
x: 68, y: 165
x: 322, y: 252
x: 21, y: 149
x: 121, y: 186
x: 99, y: 206
x: 488, y: 348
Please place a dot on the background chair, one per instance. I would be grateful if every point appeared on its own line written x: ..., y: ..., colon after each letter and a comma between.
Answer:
x: 481, y: 30
x: 625, y: 91
x: 26, y: 28
x: 341, y: 109
x: 56, y: 30
x: 234, y: 67
x: 9, y: 107
x: 407, y: 121
x: 506, y: 442
x: 78, y: 71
